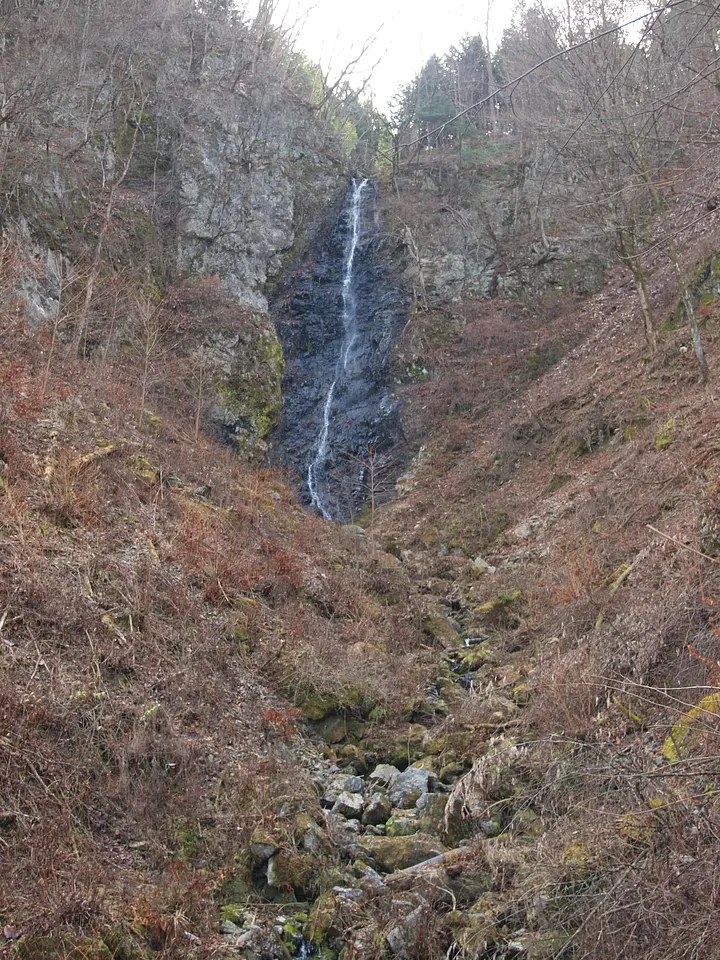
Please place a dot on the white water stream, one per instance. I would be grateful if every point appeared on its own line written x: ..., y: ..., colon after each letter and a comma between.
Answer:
x: 317, y: 465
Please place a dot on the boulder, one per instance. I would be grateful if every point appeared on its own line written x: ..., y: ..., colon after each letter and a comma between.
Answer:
x: 343, y: 833
x: 385, y: 774
x: 438, y: 626
x: 399, y: 826
x: 349, y: 805
x: 309, y: 836
x: 405, y: 936
x: 342, y: 783
x: 262, y: 847
x: 332, y: 729
x: 397, y: 853
x: 431, y: 807
x: 409, y: 786
x: 377, y: 810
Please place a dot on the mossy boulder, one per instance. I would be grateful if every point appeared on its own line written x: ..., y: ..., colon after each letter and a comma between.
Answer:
x: 475, y: 657
x: 453, y: 770
x: 432, y: 815
x: 522, y: 694
x: 262, y: 846
x: 141, y: 468
x: 124, y: 945
x: 402, y: 826
x: 665, y: 435
x: 332, y: 729
x: 407, y: 748
x: 377, y: 810
x: 237, y: 889
x: 233, y: 913
x: 346, y: 700
x: 528, y: 824
x: 480, y: 924
x: 311, y: 837
x: 299, y: 872
x: 316, y: 706
x: 352, y: 759
x: 437, y: 626
x: 497, y: 604
x: 424, y: 708
x: 397, y: 853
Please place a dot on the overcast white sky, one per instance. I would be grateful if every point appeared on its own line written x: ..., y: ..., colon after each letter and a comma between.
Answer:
x: 408, y: 32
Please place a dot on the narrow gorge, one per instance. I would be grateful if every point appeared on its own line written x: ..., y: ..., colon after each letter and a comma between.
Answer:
x: 359, y: 498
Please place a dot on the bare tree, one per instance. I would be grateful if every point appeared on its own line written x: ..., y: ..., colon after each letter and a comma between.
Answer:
x: 146, y: 342
x: 135, y: 107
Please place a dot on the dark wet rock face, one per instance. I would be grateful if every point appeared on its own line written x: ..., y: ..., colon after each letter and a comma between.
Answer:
x: 337, y: 317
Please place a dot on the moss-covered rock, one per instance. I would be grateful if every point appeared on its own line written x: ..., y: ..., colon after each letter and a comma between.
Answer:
x: 123, y: 944
x: 346, y: 699
x: 141, y: 468
x: 324, y: 923
x: 317, y: 706
x: 424, y: 708
x: 437, y: 626
x: 665, y: 435
x: 498, y: 603
x: 432, y: 815
x: 310, y: 837
x: 246, y: 367
x: 262, y: 846
x: 528, y: 824
x: 397, y: 853
x: 453, y: 770
x: 232, y: 913
x: 407, y: 748
x: 477, y: 656
x: 300, y: 872
x: 237, y: 888
x: 353, y: 759
x: 402, y: 826
x: 333, y: 729
x: 479, y: 926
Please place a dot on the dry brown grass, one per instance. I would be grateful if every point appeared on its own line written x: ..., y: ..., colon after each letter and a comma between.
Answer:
x: 146, y: 636
x: 615, y: 625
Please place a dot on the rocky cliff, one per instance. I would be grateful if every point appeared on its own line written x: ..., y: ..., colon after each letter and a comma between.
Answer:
x: 321, y: 353
x: 193, y: 160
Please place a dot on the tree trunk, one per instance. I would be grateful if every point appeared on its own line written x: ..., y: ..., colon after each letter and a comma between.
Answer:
x: 81, y: 323
x: 627, y: 252
x: 689, y: 308
x: 645, y: 308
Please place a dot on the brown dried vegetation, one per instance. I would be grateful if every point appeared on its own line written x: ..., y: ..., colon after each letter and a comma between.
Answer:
x: 158, y: 601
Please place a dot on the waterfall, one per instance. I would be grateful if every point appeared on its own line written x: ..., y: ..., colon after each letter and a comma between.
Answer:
x: 318, y: 462
x: 337, y: 316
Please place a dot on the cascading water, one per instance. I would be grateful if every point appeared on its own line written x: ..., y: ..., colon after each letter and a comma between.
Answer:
x: 316, y: 468
x: 337, y: 315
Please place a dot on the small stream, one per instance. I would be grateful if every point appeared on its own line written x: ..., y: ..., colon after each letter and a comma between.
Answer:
x: 337, y: 316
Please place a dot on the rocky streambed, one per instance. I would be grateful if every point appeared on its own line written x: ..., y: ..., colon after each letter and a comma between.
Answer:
x: 396, y: 859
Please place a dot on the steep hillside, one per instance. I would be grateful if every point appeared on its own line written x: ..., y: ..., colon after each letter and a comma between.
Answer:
x: 562, y: 508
